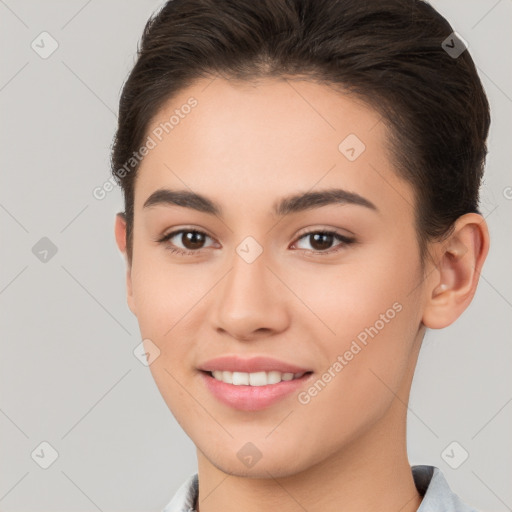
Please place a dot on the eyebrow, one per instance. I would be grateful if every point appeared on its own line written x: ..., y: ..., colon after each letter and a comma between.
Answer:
x: 291, y: 204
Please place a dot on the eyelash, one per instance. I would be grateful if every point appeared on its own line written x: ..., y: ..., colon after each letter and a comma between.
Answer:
x: 182, y: 252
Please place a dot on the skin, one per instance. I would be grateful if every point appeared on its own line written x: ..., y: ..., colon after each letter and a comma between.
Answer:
x: 246, y: 146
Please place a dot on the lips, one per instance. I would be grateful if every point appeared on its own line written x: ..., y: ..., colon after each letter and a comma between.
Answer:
x: 264, y: 391
x: 232, y: 363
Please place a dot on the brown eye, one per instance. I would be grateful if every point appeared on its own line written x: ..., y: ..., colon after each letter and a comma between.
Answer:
x: 192, y: 241
x: 321, y: 241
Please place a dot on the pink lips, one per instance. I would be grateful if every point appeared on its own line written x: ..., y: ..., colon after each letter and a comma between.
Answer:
x: 251, y: 398
x: 251, y: 365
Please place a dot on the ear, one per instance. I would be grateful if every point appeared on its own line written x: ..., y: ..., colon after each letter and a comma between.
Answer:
x: 459, y: 261
x: 120, y: 232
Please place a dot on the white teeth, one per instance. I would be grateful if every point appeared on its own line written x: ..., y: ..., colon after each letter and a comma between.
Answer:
x: 273, y: 377
x: 253, y: 379
x: 240, y: 378
x: 258, y: 379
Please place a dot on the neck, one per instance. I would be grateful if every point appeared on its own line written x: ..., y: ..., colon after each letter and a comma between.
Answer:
x: 371, y: 474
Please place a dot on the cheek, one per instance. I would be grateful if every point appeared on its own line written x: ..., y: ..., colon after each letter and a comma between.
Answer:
x: 164, y: 294
x: 343, y: 300
x: 365, y: 366
x: 367, y: 313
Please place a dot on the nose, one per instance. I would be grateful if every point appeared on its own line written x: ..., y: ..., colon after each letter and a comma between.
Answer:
x: 251, y: 302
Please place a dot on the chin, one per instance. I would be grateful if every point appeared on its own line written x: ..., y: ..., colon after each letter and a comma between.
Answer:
x: 244, y: 459
x: 269, y: 468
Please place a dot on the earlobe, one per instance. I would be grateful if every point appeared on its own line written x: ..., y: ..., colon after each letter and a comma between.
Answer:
x: 459, y: 261
x: 120, y: 233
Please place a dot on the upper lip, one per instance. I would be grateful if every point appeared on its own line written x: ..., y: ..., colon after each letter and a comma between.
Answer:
x: 233, y: 363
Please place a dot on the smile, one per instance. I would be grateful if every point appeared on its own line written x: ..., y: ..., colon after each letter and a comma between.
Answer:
x: 254, y: 379
x: 253, y: 391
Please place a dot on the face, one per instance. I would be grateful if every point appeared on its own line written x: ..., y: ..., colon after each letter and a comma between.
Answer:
x: 261, y: 286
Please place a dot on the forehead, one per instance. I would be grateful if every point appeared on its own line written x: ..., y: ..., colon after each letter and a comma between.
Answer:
x: 252, y: 142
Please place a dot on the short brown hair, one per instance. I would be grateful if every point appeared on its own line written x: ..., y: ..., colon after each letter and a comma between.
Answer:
x: 387, y: 52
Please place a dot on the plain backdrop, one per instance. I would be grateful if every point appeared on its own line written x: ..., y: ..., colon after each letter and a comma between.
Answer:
x: 68, y: 375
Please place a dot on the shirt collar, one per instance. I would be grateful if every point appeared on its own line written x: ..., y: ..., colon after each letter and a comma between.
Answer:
x: 429, y: 481
x: 436, y: 492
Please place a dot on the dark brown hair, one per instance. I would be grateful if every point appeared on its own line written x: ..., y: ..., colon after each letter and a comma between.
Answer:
x: 388, y: 53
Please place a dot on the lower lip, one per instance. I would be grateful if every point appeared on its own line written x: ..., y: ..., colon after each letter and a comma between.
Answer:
x: 252, y: 398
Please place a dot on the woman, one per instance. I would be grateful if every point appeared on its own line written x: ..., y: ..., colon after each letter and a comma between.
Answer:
x: 301, y: 182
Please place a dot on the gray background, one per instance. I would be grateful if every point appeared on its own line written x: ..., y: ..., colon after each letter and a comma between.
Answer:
x: 67, y: 369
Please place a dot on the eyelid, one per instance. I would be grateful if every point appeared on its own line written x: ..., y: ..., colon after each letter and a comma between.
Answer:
x: 326, y: 228
x: 175, y: 231
x: 302, y: 232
